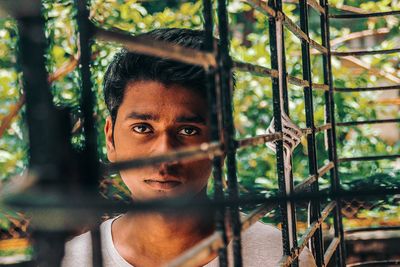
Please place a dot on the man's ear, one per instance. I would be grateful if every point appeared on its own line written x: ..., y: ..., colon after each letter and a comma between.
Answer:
x: 108, y: 132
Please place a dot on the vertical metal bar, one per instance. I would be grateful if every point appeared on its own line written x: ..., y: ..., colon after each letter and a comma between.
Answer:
x: 315, y: 212
x: 330, y: 118
x: 96, y: 248
x: 225, y: 67
x: 213, y: 93
x: 91, y: 170
x: 274, y: 35
x: 40, y: 111
x: 290, y: 206
x: 46, y: 127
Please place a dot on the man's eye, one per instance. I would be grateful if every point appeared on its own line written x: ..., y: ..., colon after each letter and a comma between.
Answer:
x: 188, y: 131
x: 142, y: 129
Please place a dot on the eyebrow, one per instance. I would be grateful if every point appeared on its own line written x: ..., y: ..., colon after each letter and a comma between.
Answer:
x: 143, y: 116
x: 153, y: 117
x: 191, y: 119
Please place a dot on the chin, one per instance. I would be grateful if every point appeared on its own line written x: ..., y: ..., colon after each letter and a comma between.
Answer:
x: 159, y: 194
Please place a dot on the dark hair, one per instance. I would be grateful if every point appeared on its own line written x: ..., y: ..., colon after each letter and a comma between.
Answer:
x: 127, y: 66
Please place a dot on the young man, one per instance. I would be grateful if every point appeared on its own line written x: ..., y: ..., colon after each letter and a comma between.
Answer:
x: 157, y: 106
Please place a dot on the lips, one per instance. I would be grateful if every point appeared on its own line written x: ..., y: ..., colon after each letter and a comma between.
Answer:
x: 162, y: 184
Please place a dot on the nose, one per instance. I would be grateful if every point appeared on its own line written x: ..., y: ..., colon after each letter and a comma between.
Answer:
x: 164, y: 143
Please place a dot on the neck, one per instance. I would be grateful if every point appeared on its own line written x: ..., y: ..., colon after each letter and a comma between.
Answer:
x: 155, y: 238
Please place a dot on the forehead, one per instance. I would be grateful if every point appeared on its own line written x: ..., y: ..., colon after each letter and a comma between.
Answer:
x: 166, y: 100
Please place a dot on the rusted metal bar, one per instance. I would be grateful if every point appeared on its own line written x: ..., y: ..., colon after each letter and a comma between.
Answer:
x: 365, y: 52
x: 314, y: 4
x: 324, y: 127
x: 192, y: 153
x: 263, y: 7
x: 320, y: 86
x: 315, y: 210
x: 331, y: 250
x: 351, y: 123
x: 365, y: 89
x: 305, y: 184
x: 369, y: 158
x: 91, y: 162
x: 214, y: 242
x: 279, y: 15
x: 375, y: 263
x: 258, y: 140
x: 288, y: 259
x: 228, y: 129
x: 214, y: 104
x: 317, y: 129
x: 374, y: 228
x: 297, y: 81
x: 201, y: 251
x: 335, y: 189
x: 157, y: 48
x: 299, y: 33
x: 324, y: 169
x: 256, y: 69
x: 364, y: 15
x: 276, y: 46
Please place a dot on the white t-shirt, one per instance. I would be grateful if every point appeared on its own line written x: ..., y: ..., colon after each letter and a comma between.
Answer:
x: 261, y: 246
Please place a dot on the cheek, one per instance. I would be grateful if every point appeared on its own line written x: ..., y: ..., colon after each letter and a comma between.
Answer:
x: 200, y: 170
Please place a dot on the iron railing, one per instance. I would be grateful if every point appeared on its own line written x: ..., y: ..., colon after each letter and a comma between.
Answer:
x: 49, y: 137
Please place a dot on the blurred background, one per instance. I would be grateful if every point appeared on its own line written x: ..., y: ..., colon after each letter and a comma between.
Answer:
x: 252, y: 105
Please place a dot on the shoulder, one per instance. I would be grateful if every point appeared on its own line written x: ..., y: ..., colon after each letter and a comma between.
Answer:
x: 262, y: 246
x: 78, y: 251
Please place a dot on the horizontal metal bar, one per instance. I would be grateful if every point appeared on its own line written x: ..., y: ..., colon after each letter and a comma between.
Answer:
x: 199, y: 252
x: 320, y: 86
x: 362, y: 89
x: 350, y: 123
x: 365, y: 52
x: 297, y: 81
x: 19, y: 9
x: 314, y: 4
x: 364, y: 15
x: 304, y: 83
x: 212, y: 244
x: 255, y: 215
x: 258, y: 140
x: 157, y: 48
x: 256, y: 69
x: 305, y: 184
x: 205, y: 150
x: 324, y: 169
x: 43, y: 204
x: 320, y: 128
x: 375, y: 263
x: 369, y: 229
x: 324, y: 127
x: 299, y: 33
x: 262, y: 7
x: 369, y: 158
x: 288, y: 259
x: 331, y: 250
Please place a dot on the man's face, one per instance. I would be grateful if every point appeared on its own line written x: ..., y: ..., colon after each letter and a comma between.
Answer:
x: 154, y: 119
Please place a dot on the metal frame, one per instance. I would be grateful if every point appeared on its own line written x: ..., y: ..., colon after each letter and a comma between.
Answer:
x: 47, y: 165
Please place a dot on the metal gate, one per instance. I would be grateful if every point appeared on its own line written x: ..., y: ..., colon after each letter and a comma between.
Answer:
x: 49, y: 137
